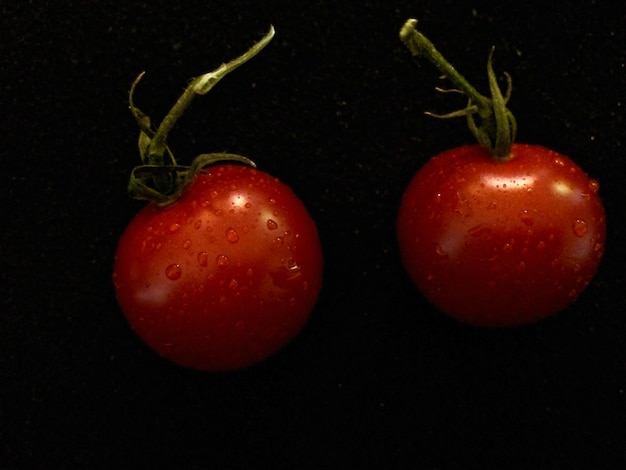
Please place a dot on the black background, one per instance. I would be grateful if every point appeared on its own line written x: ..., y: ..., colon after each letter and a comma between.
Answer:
x: 333, y: 107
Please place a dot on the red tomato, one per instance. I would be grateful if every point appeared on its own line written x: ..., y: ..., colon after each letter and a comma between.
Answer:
x: 501, y: 243
x: 225, y: 276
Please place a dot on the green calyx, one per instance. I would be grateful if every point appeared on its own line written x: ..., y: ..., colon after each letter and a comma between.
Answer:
x: 160, y: 178
x: 488, y: 118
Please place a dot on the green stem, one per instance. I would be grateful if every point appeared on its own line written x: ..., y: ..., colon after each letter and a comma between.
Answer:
x: 420, y: 45
x: 199, y: 86
x: 497, y: 127
x: 162, y: 182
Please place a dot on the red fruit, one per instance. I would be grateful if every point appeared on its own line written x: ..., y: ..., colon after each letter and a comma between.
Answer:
x: 225, y: 276
x: 501, y: 242
x: 224, y: 266
x: 497, y: 234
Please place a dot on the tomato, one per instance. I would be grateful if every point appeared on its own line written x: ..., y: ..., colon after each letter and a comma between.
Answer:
x: 225, y: 276
x: 497, y: 234
x: 224, y: 266
x: 500, y: 243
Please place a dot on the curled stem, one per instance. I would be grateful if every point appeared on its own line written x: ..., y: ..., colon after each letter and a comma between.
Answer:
x: 161, y: 181
x: 199, y: 86
x: 497, y: 127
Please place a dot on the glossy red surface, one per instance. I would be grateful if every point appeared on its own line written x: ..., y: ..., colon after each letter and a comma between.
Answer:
x: 225, y: 276
x: 501, y: 243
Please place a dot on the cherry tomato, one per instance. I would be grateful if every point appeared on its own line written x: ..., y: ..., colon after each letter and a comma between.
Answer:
x: 500, y: 243
x: 223, y: 277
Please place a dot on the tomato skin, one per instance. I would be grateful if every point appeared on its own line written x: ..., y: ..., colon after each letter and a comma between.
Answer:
x: 225, y: 276
x: 501, y: 243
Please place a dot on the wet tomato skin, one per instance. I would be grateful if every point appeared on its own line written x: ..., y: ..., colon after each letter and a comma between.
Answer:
x: 225, y: 276
x: 501, y: 243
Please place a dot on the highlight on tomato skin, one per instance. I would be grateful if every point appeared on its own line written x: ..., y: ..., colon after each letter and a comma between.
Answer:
x: 224, y: 277
x: 501, y: 243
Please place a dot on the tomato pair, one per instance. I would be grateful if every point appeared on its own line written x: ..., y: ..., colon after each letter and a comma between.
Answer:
x: 224, y: 267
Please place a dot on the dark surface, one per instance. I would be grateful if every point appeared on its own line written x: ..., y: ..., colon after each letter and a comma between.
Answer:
x: 333, y: 107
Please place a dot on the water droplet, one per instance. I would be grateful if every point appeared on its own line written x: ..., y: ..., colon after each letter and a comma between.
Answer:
x: 594, y: 186
x: 173, y: 272
x: 197, y: 224
x: 559, y: 162
x: 186, y: 244
x: 284, y: 276
x: 479, y: 231
x: 572, y: 293
x: 271, y: 225
x: 203, y: 258
x: 507, y: 248
x: 541, y: 245
x: 249, y: 272
x: 232, y: 235
x: 233, y: 285
x: 278, y: 242
x: 525, y: 217
x: 247, y: 205
x: 222, y: 261
x: 441, y: 252
x: 174, y: 227
x: 580, y: 228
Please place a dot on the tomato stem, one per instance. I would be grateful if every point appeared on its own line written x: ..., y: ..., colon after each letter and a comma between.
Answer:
x: 161, y: 181
x: 497, y: 127
x: 199, y: 86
